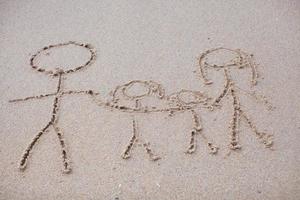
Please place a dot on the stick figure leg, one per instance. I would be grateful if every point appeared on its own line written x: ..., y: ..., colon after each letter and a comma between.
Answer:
x: 234, y: 126
x: 198, y: 130
x: 151, y: 155
x: 265, y: 138
x: 25, y: 156
x: 66, y: 163
x: 235, y: 121
x: 192, y: 146
x: 133, y: 140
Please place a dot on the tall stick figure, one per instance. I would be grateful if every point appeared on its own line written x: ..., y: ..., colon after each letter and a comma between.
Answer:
x: 58, y: 73
x: 240, y: 60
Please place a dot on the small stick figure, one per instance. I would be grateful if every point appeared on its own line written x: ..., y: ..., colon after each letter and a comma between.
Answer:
x: 123, y: 100
x: 154, y: 95
x: 189, y: 100
x: 240, y: 60
x: 57, y: 73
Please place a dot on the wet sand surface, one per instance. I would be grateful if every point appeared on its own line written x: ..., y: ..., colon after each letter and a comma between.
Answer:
x: 182, y: 153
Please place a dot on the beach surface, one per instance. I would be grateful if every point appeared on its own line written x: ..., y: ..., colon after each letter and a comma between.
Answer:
x: 159, y: 41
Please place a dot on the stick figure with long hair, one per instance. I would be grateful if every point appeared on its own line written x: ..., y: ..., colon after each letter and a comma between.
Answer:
x: 240, y: 60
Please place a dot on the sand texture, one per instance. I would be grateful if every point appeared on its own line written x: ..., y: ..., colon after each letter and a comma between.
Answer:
x: 150, y: 100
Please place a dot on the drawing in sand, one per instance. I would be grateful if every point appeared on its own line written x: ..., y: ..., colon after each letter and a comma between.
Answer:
x: 58, y: 73
x: 240, y: 60
x: 147, y: 96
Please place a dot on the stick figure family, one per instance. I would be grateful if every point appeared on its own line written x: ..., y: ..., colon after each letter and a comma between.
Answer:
x: 153, y: 99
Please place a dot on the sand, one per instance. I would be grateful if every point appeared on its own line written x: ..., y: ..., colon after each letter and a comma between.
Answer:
x: 149, y: 40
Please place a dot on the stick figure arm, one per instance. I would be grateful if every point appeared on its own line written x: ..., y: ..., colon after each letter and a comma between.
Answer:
x: 85, y: 92
x: 91, y: 93
x: 32, y: 97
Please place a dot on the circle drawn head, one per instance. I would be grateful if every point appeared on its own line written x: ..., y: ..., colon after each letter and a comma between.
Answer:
x: 189, y: 98
x: 222, y: 57
x: 138, y: 89
x: 58, y: 69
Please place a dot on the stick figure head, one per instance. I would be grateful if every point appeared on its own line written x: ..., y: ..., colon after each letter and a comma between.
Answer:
x: 137, y: 94
x: 138, y: 89
x: 220, y: 58
x: 59, y: 69
x: 188, y: 98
